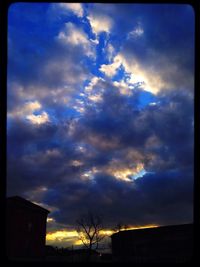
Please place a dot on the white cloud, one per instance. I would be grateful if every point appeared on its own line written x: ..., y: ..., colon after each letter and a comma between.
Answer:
x: 27, y: 109
x: 91, y: 93
x: 74, y: 36
x: 110, y: 69
x: 123, y: 87
x: 79, y: 108
x: 38, y: 119
x: 123, y: 172
x: 151, y: 80
x: 152, y: 104
x: 92, y: 83
x: 95, y: 98
x: 89, y: 175
x: 110, y: 51
x: 137, y: 32
x: 76, y: 8
x: 32, y: 106
x: 95, y: 41
x: 100, y: 23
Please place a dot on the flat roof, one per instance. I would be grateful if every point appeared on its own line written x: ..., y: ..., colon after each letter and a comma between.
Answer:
x: 164, y: 228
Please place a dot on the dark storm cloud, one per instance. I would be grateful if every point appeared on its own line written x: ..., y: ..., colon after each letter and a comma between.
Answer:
x: 112, y: 134
x: 61, y: 61
x: 121, y: 124
x: 161, y: 198
x: 36, y: 152
x: 149, y: 197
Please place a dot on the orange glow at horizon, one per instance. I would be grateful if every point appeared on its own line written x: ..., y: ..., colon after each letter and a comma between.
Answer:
x: 73, y: 237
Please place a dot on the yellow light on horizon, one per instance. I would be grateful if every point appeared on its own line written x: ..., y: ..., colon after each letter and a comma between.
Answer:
x: 73, y: 237
x: 61, y: 235
x: 140, y: 227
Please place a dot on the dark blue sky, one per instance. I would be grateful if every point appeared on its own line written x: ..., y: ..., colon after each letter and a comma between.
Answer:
x: 100, y: 111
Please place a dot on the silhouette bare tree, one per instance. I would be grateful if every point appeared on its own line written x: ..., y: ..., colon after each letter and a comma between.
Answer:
x: 88, y: 228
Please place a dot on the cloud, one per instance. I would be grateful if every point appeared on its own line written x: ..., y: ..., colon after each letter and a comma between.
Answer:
x: 99, y: 23
x: 95, y: 98
x: 38, y: 119
x: 26, y: 109
x: 76, y: 8
x: 27, y: 112
x: 123, y: 171
x: 74, y: 36
x: 92, y: 83
x: 116, y: 141
x: 110, y: 69
x: 110, y: 51
x: 115, y: 197
x: 124, y: 87
x: 151, y: 79
x: 77, y: 141
x: 136, y: 32
x: 114, y: 146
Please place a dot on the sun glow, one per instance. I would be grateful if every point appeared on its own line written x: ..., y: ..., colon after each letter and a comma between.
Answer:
x: 61, y: 235
x: 72, y: 236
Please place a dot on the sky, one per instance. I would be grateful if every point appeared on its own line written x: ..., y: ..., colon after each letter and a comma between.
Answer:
x: 100, y: 113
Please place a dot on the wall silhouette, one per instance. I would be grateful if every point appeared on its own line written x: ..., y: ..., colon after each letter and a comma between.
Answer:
x: 25, y: 229
x: 160, y: 244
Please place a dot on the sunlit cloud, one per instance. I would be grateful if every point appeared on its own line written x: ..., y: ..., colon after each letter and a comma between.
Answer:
x: 76, y: 8
x: 76, y: 163
x: 79, y: 108
x: 49, y: 219
x: 89, y: 175
x: 27, y: 112
x: 95, y: 98
x: 151, y: 80
x: 38, y: 119
x: 125, y: 173
x: 110, y: 69
x: 28, y: 108
x: 124, y: 87
x: 73, y: 35
x: 45, y: 206
x: 37, y: 194
x: 100, y: 23
x: 93, y: 82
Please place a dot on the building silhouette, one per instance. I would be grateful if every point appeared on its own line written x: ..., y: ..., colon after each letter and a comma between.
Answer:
x: 160, y: 244
x: 25, y: 229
